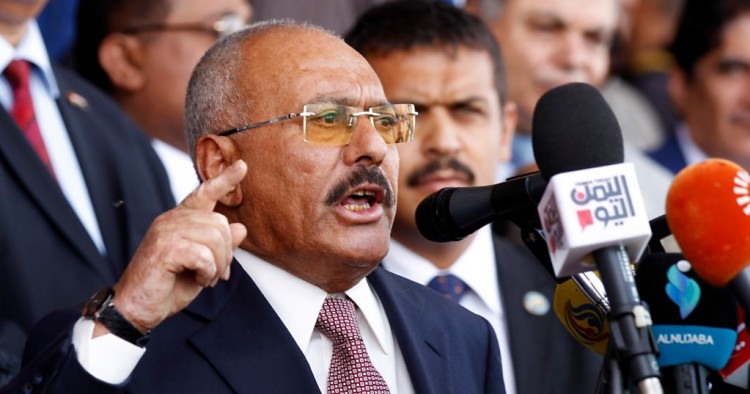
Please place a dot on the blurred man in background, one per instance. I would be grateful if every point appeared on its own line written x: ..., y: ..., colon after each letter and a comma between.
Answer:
x: 142, y: 52
x: 548, y: 43
x: 710, y: 85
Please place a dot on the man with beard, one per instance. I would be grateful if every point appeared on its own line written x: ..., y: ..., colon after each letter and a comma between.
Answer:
x: 307, y: 308
x: 448, y: 64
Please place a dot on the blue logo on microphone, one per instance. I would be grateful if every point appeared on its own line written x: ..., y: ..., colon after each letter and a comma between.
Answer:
x: 682, y: 290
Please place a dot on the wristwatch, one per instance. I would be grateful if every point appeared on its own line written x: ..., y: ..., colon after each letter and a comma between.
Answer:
x: 100, y: 307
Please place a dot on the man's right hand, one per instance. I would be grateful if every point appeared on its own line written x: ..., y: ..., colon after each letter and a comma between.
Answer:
x: 185, y: 250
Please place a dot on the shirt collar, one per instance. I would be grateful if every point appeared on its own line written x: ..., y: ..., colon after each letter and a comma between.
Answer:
x: 298, y: 302
x: 31, y: 48
x: 476, y: 267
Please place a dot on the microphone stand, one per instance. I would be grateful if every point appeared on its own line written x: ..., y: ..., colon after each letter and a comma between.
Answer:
x: 632, y: 347
x: 631, y: 339
x: 686, y: 379
x: 610, y: 377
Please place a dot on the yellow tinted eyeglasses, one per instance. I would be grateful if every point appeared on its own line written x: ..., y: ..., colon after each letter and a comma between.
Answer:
x: 333, y: 124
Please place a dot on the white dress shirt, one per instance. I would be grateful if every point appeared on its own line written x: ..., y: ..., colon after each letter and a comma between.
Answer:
x: 182, y: 176
x: 477, y: 268
x: 45, y: 92
x: 297, y: 303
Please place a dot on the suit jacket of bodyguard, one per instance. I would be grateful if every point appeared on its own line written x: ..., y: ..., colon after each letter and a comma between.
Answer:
x: 47, y: 259
x: 231, y: 340
x: 546, y: 358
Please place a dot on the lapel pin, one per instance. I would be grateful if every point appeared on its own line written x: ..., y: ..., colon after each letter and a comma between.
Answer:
x: 77, y: 100
x: 536, y: 303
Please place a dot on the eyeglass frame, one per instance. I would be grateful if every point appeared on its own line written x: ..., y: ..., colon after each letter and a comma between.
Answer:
x: 227, y: 24
x: 304, y: 114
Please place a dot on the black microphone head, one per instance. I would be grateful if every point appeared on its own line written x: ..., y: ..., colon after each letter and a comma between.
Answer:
x: 573, y: 128
x: 692, y: 320
x: 434, y: 220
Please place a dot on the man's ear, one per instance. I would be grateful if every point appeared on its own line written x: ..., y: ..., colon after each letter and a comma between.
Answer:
x: 213, y: 154
x: 676, y: 88
x: 472, y: 7
x: 509, y: 113
x: 121, y: 56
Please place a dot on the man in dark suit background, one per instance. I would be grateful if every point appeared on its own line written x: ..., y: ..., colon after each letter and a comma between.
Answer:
x: 447, y: 63
x: 311, y: 213
x: 70, y: 224
x: 710, y: 85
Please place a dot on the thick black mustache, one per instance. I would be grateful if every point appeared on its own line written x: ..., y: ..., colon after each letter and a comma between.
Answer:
x: 436, y: 165
x: 359, y: 176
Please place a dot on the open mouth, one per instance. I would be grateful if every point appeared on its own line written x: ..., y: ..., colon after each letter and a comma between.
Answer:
x: 362, y: 199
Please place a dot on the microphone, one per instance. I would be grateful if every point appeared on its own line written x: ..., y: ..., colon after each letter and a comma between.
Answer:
x: 582, y: 311
x: 452, y: 213
x: 595, y: 211
x: 717, y: 248
x: 708, y: 212
x: 592, y: 200
x: 694, y: 322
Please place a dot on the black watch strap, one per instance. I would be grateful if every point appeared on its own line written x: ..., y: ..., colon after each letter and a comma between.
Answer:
x: 100, y: 307
x: 117, y: 324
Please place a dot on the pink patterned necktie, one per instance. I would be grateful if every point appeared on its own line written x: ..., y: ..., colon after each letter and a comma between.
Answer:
x: 17, y: 74
x: 351, y: 370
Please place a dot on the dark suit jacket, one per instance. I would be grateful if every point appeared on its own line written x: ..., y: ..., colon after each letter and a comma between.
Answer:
x: 47, y: 259
x: 231, y: 340
x: 546, y: 358
x: 670, y: 155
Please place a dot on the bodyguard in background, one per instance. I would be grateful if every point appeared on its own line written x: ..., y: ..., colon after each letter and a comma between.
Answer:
x: 79, y: 182
x: 142, y: 52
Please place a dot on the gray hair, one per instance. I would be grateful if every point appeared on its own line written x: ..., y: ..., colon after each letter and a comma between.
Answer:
x: 214, y: 100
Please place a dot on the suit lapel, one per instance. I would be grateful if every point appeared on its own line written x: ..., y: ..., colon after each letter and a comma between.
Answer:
x: 245, y: 335
x: 31, y: 173
x: 529, y: 339
x: 422, y: 345
x: 99, y: 170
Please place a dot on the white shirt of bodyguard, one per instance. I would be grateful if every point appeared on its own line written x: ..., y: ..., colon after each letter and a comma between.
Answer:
x: 44, y: 93
x: 477, y: 268
x: 182, y: 176
x: 297, y: 303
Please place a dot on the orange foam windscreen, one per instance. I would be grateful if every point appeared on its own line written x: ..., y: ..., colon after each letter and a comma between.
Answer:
x: 708, y: 211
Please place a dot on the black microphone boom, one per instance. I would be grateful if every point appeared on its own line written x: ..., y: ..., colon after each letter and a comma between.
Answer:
x: 451, y: 214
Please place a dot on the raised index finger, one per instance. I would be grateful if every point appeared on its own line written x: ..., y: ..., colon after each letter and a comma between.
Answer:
x: 205, y: 196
